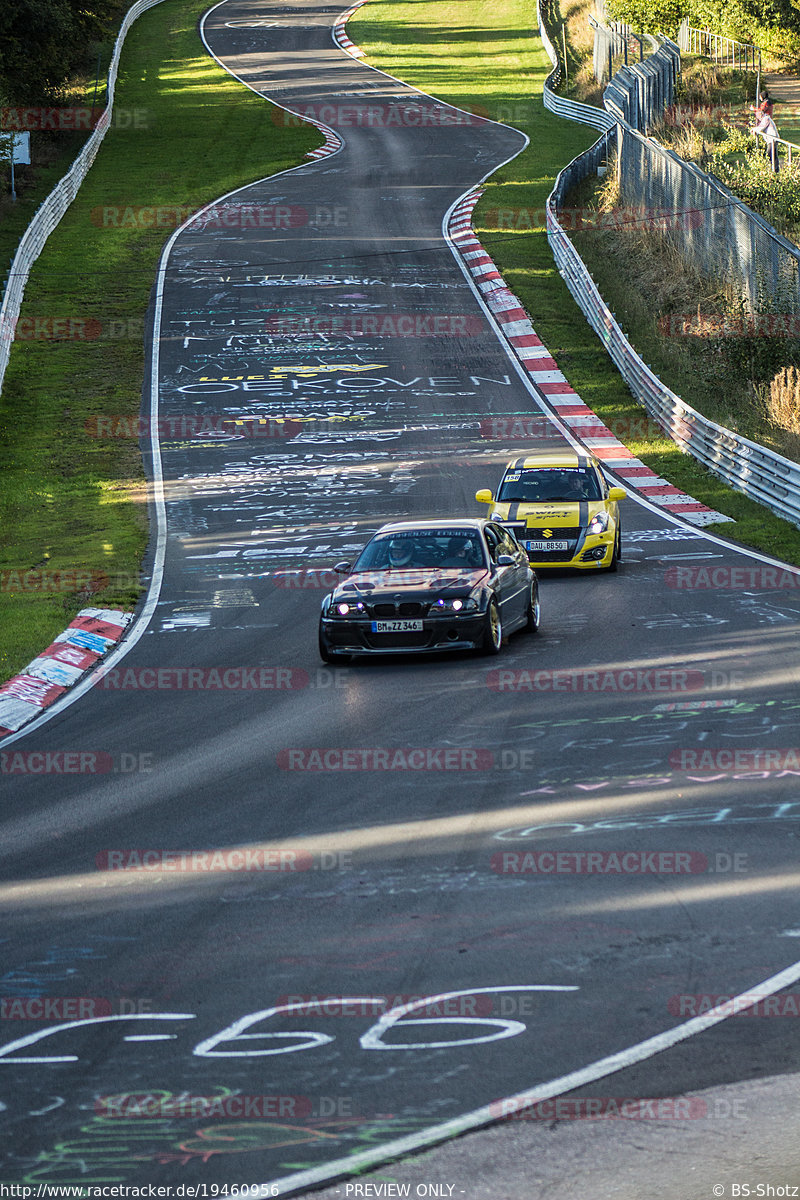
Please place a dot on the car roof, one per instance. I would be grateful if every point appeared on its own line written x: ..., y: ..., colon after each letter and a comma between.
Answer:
x: 566, y: 457
x: 433, y: 524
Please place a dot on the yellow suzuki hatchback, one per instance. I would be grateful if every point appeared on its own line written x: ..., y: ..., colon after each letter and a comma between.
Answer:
x: 561, y: 508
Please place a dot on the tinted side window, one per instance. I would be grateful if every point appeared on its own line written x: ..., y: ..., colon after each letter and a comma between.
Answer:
x: 509, y: 544
x: 493, y: 537
x: 502, y: 543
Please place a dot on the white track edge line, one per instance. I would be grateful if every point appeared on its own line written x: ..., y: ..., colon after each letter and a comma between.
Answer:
x: 488, y: 1113
x: 141, y: 620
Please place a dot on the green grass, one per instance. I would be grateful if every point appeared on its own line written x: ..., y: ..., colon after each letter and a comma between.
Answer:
x: 477, y: 52
x: 52, y: 152
x: 70, y: 502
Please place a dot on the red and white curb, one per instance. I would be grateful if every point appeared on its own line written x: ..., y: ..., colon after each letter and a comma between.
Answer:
x: 82, y: 644
x: 331, y: 144
x: 543, y: 371
x: 340, y: 36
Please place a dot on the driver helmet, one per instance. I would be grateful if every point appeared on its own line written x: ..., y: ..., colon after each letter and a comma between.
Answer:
x: 400, y: 550
x: 577, y: 485
x: 463, y: 550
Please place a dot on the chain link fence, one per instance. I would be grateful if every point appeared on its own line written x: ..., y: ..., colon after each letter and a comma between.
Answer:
x: 725, y: 239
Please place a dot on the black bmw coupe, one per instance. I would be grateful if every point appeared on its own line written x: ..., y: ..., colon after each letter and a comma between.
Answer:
x: 426, y: 586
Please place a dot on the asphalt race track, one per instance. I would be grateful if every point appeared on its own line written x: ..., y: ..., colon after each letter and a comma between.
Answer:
x: 577, y: 846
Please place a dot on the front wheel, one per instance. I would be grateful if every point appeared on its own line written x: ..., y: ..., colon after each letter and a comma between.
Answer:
x: 492, y: 630
x: 534, y: 610
x: 616, y: 554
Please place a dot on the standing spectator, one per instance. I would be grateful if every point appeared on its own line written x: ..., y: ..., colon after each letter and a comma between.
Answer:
x: 765, y: 127
x: 764, y: 105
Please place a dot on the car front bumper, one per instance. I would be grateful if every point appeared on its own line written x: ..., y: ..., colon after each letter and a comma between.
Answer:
x: 440, y: 633
x: 591, y: 554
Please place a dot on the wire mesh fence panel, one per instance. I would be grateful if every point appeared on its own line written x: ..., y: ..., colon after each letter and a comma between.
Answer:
x: 717, y: 231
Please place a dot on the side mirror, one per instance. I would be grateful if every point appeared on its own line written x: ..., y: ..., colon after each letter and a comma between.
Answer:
x: 484, y: 496
x: 506, y: 560
x: 343, y: 568
x: 617, y: 493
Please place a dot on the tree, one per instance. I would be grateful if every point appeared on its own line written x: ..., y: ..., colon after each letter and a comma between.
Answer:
x: 774, y: 25
x: 650, y: 16
x: 44, y: 41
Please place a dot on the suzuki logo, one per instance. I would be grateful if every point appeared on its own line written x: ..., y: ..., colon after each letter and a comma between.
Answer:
x: 547, y: 533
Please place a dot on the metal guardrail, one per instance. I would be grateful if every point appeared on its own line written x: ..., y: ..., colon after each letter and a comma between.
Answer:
x: 571, y: 110
x: 759, y: 473
x: 790, y: 146
x: 741, y: 55
x: 53, y: 207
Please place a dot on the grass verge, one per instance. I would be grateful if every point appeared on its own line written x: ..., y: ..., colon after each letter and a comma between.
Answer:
x: 53, y: 156
x: 73, y: 507
x: 53, y: 150
x: 475, y: 52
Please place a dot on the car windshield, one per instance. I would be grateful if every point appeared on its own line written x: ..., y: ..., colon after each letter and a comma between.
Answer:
x: 422, y: 549
x: 549, y: 484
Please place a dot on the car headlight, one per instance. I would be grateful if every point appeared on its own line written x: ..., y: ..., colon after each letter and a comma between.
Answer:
x: 458, y: 605
x: 343, y: 609
x: 598, y: 523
